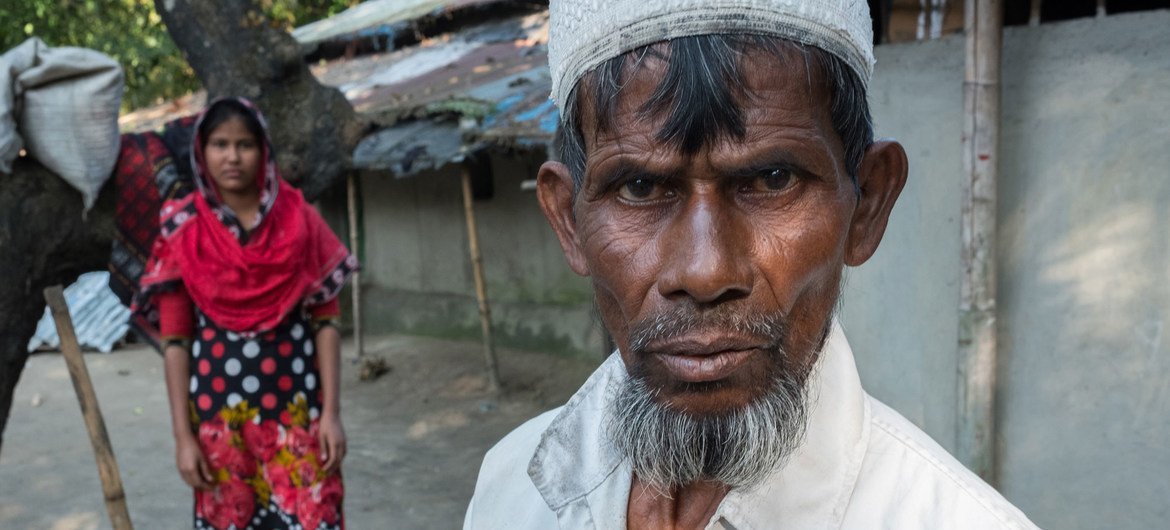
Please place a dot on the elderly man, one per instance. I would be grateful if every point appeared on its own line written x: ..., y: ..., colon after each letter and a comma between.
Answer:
x: 717, y: 173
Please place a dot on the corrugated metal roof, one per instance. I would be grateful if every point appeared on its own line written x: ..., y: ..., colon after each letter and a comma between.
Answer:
x: 381, y: 17
x: 99, y: 318
x: 410, y: 148
x: 526, y: 118
x: 494, y: 74
x: 448, y: 66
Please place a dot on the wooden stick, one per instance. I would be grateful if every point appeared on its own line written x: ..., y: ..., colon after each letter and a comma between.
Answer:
x: 354, y: 242
x: 977, y: 360
x: 98, y: 437
x: 485, y: 313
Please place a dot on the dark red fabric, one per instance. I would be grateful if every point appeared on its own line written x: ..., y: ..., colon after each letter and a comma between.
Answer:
x: 144, y: 177
x: 152, y: 167
x: 176, y: 316
x: 251, y: 287
x: 247, y: 281
x: 330, y: 309
x: 136, y: 211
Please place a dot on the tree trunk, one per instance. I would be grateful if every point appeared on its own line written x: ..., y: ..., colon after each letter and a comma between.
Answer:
x: 235, y: 52
x: 44, y: 240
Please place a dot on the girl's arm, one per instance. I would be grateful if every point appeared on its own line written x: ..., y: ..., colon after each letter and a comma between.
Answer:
x: 328, y: 345
x: 177, y: 327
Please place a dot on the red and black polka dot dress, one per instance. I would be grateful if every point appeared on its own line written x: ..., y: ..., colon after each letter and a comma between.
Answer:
x: 254, y: 404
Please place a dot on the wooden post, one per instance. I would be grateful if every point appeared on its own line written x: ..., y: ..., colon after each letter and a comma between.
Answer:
x: 938, y: 13
x: 98, y: 437
x: 1034, y: 16
x: 354, y: 242
x: 485, y: 314
x: 977, y: 339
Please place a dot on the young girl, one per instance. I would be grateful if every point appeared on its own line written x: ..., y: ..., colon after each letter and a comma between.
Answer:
x: 243, y: 282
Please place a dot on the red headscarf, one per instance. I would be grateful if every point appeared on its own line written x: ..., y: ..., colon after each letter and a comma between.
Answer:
x: 246, y: 284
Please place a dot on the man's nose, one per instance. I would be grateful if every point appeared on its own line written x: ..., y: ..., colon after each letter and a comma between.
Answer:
x: 706, y: 253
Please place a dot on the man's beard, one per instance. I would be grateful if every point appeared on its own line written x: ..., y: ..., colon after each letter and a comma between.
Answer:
x: 669, y: 448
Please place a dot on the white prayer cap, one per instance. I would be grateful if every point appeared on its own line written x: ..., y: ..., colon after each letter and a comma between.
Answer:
x: 586, y: 33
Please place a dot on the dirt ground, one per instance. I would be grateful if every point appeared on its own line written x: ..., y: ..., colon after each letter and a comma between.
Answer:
x: 416, y: 436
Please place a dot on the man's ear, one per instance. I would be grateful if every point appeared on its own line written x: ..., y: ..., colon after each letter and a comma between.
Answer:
x: 554, y: 190
x: 880, y: 180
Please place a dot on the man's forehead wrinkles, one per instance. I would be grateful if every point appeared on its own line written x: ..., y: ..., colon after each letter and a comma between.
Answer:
x: 619, y: 164
x: 806, y: 142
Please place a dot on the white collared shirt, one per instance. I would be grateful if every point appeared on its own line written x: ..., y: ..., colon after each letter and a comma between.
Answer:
x: 861, y: 465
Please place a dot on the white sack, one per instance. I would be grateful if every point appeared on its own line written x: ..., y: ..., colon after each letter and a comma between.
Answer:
x: 61, y: 105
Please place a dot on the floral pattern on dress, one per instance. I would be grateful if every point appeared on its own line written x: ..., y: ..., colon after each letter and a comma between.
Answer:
x: 267, y: 473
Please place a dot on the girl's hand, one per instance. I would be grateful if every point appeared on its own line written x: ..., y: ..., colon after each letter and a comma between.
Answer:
x: 331, y: 436
x: 192, y: 466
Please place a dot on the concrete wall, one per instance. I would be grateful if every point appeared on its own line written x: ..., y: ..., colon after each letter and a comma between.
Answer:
x: 418, y: 274
x: 1084, y: 324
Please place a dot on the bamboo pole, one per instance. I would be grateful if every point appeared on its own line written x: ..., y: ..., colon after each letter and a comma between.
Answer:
x: 977, y: 311
x: 107, y: 465
x: 485, y: 314
x: 356, y: 285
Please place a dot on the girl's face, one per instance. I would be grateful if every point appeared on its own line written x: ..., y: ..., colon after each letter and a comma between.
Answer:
x: 232, y: 155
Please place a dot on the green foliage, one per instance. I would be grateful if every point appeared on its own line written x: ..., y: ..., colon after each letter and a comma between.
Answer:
x: 127, y: 30
x: 133, y: 34
x: 292, y: 13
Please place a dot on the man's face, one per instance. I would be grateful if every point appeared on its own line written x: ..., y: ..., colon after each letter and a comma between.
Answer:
x: 717, y: 270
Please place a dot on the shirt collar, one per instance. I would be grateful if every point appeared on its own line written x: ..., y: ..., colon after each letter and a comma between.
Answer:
x: 575, y: 461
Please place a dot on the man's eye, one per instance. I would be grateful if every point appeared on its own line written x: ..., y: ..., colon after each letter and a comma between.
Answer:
x: 641, y: 190
x: 774, y: 180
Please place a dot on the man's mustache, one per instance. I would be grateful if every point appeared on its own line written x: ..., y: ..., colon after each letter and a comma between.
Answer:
x: 770, y: 327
